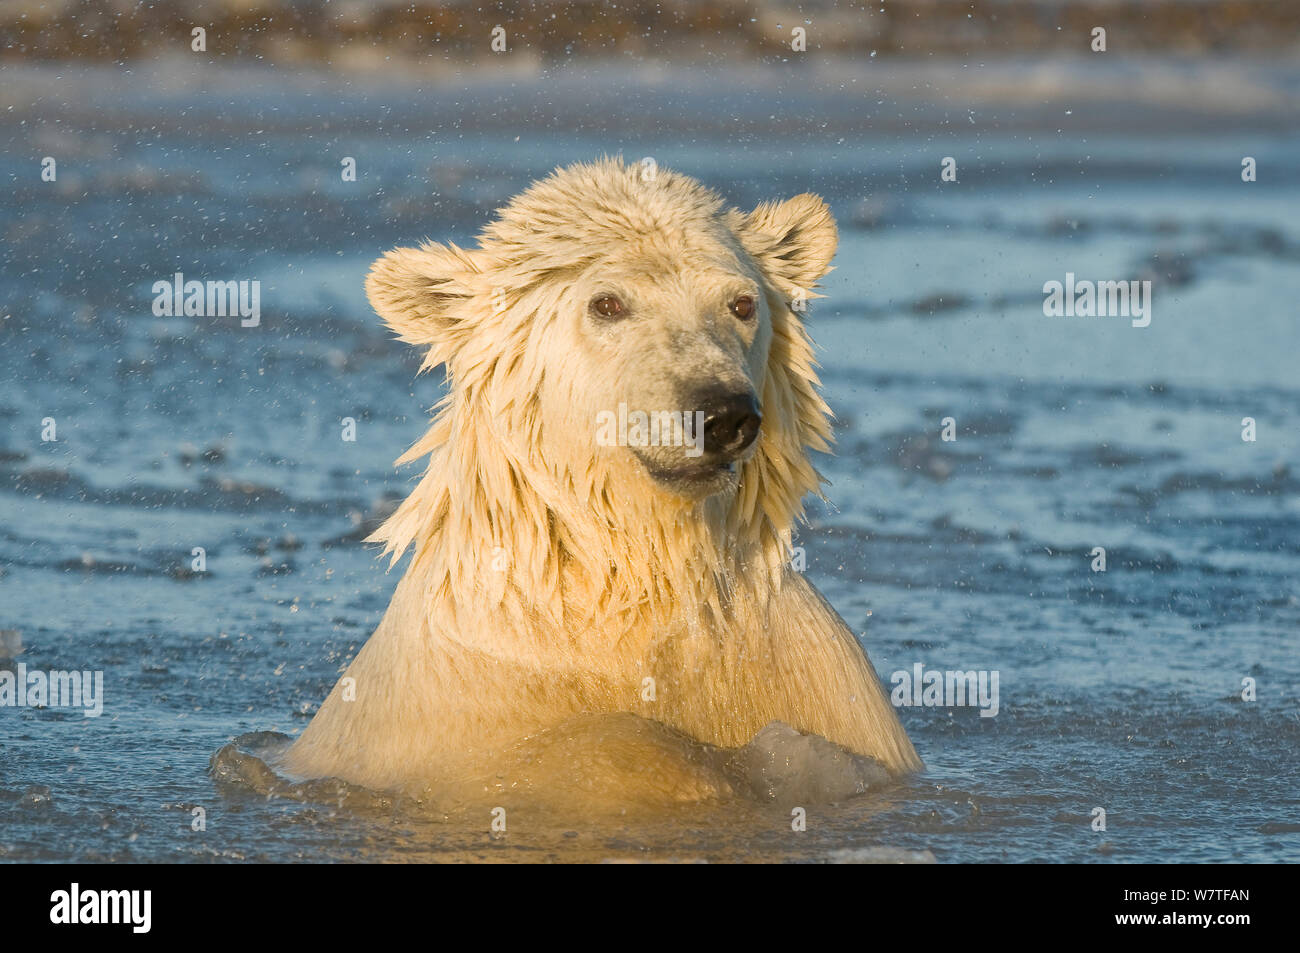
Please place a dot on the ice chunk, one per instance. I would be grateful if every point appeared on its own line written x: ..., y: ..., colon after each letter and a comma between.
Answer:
x: 781, y: 764
x: 11, y: 643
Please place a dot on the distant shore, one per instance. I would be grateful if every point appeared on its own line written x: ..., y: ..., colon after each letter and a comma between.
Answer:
x: 402, y: 31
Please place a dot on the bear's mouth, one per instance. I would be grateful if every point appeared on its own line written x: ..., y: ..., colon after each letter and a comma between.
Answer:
x: 696, y: 478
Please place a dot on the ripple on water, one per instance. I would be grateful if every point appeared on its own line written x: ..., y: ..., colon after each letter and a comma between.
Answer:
x: 577, y: 766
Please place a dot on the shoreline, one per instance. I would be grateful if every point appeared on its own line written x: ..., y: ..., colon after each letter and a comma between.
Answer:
x: 1139, y: 93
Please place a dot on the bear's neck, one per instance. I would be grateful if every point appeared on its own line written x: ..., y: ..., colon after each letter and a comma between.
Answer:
x: 518, y: 547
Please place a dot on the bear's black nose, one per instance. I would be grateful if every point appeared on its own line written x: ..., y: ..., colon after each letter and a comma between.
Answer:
x: 731, y: 423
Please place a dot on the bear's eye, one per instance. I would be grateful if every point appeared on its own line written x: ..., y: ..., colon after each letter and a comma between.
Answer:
x: 743, y: 307
x: 607, y: 306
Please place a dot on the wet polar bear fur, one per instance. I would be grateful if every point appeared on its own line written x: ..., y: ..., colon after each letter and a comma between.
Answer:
x: 590, y: 614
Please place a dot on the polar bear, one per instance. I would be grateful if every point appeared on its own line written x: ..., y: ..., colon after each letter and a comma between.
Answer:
x: 582, y: 584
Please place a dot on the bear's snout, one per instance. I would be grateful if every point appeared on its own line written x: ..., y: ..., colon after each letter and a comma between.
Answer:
x: 731, y: 422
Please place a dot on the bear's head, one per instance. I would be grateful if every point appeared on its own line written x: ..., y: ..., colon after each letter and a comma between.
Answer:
x: 621, y: 350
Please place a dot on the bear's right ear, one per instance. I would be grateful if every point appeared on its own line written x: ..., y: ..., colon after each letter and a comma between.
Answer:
x: 420, y: 293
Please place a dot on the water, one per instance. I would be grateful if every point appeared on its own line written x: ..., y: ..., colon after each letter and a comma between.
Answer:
x: 1119, y: 690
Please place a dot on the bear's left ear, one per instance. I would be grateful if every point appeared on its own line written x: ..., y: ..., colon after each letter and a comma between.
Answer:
x: 793, y: 241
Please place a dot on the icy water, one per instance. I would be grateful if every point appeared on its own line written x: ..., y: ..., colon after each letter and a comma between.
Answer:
x: 1119, y: 689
